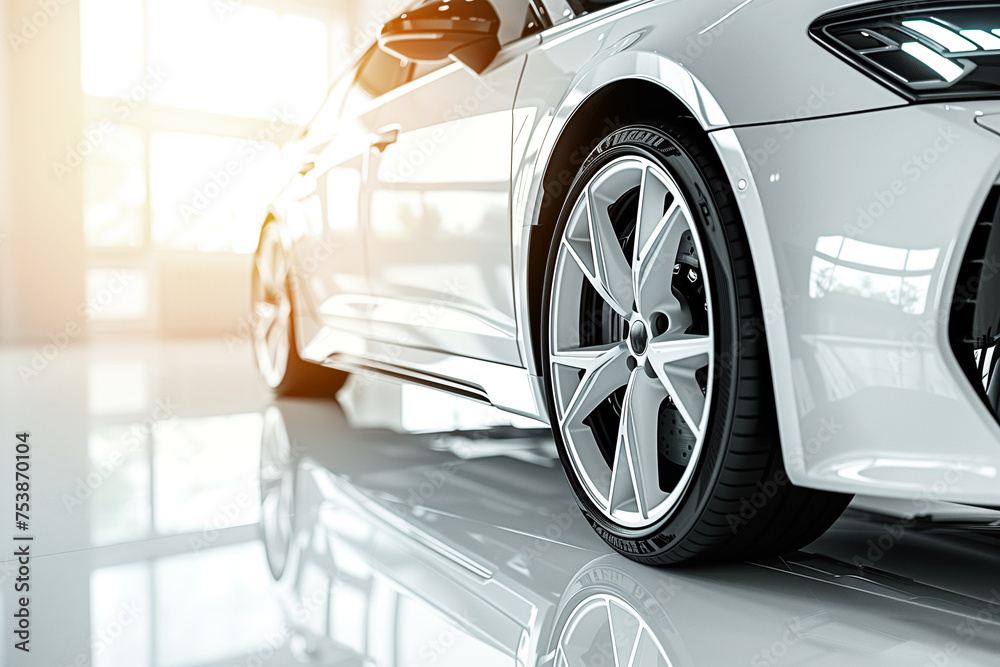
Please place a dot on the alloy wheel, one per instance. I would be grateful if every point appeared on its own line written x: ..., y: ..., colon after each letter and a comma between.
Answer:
x: 631, y: 345
x: 272, y: 310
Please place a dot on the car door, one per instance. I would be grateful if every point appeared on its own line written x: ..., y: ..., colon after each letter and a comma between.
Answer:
x: 438, y: 191
x: 327, y: 218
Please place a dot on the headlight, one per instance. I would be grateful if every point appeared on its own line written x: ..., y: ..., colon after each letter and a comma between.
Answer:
x: 923, y: 50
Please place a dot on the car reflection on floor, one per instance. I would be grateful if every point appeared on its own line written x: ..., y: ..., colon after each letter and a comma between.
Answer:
x: 463, y: 547
x: 411, y: 529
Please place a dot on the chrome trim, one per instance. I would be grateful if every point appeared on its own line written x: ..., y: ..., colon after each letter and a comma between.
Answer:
x: 509, y: 388
x: 360, y: 364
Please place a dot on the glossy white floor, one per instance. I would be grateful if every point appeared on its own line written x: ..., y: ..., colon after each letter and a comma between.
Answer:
x: 408, y: 529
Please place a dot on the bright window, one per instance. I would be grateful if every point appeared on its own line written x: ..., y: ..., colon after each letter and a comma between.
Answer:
x: 237, y: 60
x: 111, y: 41
x: 209, y: 193
x: 114, y: 178
x: 185, y: 105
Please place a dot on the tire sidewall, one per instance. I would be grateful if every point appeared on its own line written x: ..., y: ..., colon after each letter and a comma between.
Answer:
x: 662, y: 148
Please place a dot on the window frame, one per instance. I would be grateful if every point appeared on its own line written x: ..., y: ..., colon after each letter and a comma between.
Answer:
x: 150, y: 117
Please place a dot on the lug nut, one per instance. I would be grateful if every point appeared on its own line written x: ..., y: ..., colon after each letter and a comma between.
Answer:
x: 660, y: 324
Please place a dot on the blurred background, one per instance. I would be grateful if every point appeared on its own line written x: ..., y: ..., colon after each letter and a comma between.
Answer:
x: 139, y: 144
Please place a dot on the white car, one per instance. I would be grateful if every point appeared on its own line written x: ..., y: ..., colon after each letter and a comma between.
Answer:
x: 740, y: 255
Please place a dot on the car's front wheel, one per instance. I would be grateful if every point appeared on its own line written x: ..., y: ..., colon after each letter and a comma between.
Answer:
x: 659, y: 392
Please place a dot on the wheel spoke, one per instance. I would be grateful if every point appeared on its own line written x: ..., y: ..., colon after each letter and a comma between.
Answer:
x: 653, y: 268
x: 604, y: 372
x: 611, y: 266
x: 270, y: 264
x: 614, y: 639
x: 655, y: 197
x: 625, y: 631
x: 634, y: 656
x: 676, y: 361
x: 635, y: 477
x: 271, y: 331
x: 279, y: 270
x: 272, y: 343
x: 265, y: 313
x: 264, y: 272
x: 591, y: 241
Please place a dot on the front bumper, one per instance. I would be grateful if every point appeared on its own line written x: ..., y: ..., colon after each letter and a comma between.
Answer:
x: 859, y: 226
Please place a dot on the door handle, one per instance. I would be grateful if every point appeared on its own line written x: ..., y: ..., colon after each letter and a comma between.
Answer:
x: 307, y: 167
x: 384, y: 137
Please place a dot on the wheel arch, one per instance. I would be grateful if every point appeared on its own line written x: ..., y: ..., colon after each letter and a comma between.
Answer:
x: 669, y: 92
x: 602, y: 97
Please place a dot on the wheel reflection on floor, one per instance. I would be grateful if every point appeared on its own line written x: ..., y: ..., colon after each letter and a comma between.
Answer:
x: 464, y: 547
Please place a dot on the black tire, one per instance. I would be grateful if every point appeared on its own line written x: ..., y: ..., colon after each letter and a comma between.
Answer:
x: 306, y: 379
x: 739, y: 502
x: 298, y: 377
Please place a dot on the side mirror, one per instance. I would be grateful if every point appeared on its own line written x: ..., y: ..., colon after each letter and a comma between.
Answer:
x: 463, y: 30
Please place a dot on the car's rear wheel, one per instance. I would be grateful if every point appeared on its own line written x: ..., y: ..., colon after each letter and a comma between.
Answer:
x: 659, y: 392
x: 273, y: 326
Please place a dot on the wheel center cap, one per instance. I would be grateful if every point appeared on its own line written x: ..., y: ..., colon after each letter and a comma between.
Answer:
x: 638, y: 338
